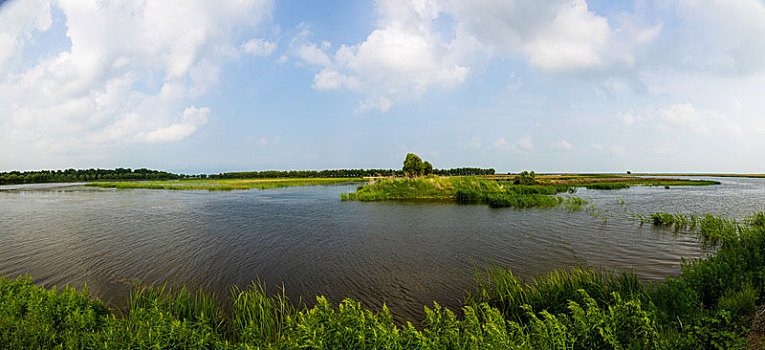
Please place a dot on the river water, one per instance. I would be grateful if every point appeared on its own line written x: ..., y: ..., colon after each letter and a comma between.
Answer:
x: 402, y: 254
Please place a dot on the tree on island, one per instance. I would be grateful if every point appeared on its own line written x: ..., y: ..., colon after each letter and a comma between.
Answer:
x: 414, y: 166
x: 427, y: 168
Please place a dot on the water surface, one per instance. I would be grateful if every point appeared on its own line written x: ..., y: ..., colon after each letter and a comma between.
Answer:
x: 403, y: 254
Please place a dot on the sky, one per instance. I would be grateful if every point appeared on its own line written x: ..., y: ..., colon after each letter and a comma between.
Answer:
x: 200, y: 86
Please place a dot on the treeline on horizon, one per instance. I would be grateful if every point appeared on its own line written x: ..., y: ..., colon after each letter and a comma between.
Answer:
x: 75, y: 175
x: 345, y: 173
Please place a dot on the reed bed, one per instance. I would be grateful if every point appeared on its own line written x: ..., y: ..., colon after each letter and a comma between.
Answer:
x: 710, y: 229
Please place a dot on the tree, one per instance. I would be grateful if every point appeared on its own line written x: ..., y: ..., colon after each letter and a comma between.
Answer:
x: 526, y: 178
x: 413, y: 165
x: 427, y: 168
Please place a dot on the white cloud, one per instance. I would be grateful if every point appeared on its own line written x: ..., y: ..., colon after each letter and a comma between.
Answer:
x: 562, y: 144
x: 192, y: 119
x: 259, y: 47
x: 525, y: 143
x: 314, y: 54
x: 503, y: 144
x: 20, y: 19
x: 131, y: 69
x: 405, y: 55
x: 554, y: 36
x: 401, y: 59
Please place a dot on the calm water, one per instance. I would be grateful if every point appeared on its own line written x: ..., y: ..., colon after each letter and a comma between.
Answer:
x: 403, y: 254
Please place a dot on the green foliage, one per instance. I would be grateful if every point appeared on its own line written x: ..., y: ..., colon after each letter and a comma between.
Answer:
x: 467, y: 190
x: 413, y: 165
x: 37, y: 318
x: 427, y: 168
x: 525, y: 178
x: 79, y: 175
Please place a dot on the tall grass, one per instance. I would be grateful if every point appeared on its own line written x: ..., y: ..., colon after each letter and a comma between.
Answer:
x: 711, y: 229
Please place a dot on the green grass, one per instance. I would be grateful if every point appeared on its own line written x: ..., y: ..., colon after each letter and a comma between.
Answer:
x: 496, y: 191
x: 711, y: 229
x: 223, y: 185
x: 606, y: 186
x: 708, y: 306
x: 463, y: 190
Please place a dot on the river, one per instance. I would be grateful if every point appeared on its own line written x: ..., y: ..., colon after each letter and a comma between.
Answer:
x: 403, y: 254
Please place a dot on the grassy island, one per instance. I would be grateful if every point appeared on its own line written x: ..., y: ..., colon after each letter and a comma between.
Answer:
x: 710, y: 306
x: 521, y: 191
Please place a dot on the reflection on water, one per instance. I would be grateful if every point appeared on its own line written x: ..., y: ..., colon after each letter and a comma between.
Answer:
x: 403, y: 254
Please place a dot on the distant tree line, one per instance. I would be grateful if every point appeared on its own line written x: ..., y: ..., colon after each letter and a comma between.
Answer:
x: 75, y: 175
x: 342, y: 173
x: 464, y: 171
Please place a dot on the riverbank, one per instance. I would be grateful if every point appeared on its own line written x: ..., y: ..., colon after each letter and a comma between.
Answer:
x: 708, y: 306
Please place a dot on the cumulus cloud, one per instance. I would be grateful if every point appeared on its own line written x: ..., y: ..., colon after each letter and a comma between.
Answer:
x: 554, y: 36
x: 402, y: 58
x: 192, y: 119
x: 20, y: 19
x: 259, y: 47
x: 405, y: 55
x: 130, y: 74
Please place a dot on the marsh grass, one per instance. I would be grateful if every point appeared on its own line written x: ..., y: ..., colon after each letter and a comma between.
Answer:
x: 606, y: 186
x: 223, y: 184
x: 466, y: 190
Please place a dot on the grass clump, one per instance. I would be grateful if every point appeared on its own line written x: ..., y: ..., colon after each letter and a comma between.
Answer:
x: 711, y: 229
x: 606, y: 186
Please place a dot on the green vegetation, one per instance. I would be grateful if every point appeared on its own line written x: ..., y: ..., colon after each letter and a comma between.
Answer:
x: 344, y: 173
x: 413, y: 165
x: 525, y: 178
x: 464, y: 190
x: 75, y: 175
x: 606, y: 186
x: 223, y: 185
x: 522, y: 191
x: 711, y: 229
x: 709, y: 306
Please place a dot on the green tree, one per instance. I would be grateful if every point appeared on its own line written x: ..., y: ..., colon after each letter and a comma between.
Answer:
x: 526, y: 178
x: 413, y: 165
x: 427, y: 168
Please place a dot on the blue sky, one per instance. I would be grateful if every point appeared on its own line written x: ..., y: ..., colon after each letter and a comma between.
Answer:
x: 553, y: 86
